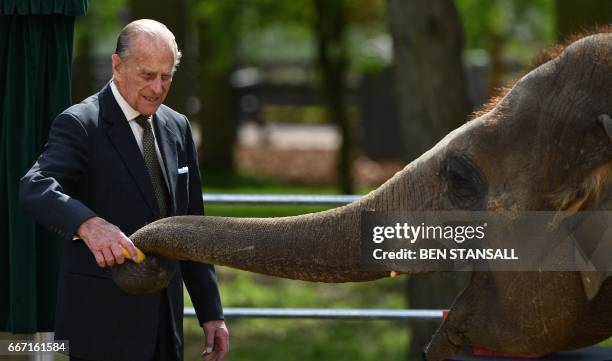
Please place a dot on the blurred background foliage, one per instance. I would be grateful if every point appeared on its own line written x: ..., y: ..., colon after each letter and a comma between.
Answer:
x: 317, y: 96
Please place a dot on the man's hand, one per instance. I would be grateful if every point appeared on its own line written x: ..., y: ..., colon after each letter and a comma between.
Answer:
x: 217, y: 340
x: 105, y: 241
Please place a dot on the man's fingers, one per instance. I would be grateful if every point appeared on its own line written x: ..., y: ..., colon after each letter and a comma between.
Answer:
x: 217, y: 340
x: 109, y: 245
x: 117, y: 253
x: 99, y: 258
x: 108, y: 256
x: 127, y: 244
x: 221, y: 344
x: 210, y: 339
x: 222, y: 353
x: 209, y: 356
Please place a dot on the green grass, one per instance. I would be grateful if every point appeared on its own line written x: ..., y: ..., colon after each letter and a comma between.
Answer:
x: 276, y: 339
x: 260, y: 211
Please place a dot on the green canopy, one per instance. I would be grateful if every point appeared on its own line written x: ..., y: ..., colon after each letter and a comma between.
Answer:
x: 35, y: 74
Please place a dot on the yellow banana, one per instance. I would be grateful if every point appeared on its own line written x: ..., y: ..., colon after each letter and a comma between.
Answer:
x: 139, y: 255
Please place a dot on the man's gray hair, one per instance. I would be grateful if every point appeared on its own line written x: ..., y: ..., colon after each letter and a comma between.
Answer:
x: 149, y: 27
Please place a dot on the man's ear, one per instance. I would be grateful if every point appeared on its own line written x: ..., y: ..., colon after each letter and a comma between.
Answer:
x: 606, y: 123
x: 117, y: 64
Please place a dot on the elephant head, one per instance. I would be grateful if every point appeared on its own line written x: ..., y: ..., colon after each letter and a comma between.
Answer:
x: 545, y: 145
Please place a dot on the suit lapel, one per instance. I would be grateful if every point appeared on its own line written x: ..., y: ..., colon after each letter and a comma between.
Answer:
x: 122, y: 138
x: 166, y: 140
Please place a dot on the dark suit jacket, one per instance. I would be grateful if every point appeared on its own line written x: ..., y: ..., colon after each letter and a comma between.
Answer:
x: 92, y: 166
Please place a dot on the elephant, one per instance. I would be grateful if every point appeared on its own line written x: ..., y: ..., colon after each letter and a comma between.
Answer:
x: 546, y: 144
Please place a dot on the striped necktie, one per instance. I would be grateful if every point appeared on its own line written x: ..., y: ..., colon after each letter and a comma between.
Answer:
x: 155, y: 172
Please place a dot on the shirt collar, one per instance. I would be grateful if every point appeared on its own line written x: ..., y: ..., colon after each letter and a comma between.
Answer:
x: 129, y: 112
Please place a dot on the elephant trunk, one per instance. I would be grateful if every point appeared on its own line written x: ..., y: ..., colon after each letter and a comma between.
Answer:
x: 322, y: 247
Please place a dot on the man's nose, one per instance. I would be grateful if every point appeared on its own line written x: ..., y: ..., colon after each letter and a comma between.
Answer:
x: 157, y: 86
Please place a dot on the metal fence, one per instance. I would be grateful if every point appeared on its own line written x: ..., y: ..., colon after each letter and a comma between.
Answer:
x: 279, y: 199
x: 328, y: 313
x: 311, y: 313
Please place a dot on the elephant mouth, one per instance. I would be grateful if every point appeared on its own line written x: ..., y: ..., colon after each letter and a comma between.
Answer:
x: 153, y: 274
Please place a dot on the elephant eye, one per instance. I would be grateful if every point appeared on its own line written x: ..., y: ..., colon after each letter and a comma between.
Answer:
x: 465, y: 185
x: 461, y: 185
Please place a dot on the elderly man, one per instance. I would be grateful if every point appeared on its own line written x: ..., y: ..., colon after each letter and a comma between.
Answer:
x: 113, y: 163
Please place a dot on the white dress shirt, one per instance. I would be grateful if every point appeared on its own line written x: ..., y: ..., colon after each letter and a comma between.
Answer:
x: 131, y: 114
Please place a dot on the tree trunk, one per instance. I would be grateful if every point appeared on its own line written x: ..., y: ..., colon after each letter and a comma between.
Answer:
x: 333, y: 61
x: 580, y: 16
x: 427, y: 43
x: 430, y: 90
x: 217, y: 124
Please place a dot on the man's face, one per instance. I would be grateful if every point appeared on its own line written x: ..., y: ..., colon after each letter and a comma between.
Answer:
x: 144, y: 77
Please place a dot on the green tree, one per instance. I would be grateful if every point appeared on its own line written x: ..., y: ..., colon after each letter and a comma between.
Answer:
x: 332, y: 19
x: 506, y: 30
x: 220, y: 26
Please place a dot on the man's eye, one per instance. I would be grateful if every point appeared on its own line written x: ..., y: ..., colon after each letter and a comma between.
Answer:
x: 147, y: 76
x: 166, y: 77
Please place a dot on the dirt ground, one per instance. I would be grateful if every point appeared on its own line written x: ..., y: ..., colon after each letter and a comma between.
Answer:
x: 302, y: 154
x: 309, y: 166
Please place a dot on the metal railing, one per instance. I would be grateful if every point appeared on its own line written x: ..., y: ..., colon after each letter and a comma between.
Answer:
x: 280, y: 199
x: 311, y: 313
x: 329, y: 313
